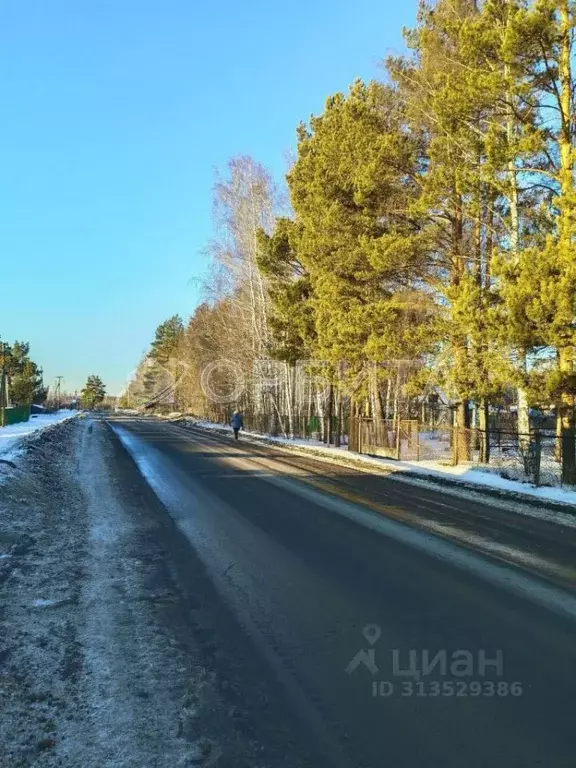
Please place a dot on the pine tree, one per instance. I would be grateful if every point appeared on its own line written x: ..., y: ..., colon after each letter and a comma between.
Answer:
x: 93, y: 393
x: 459, y: 85
x: 539, y: 287
x: 351, y: 186
x: 290, y: 313
x: 496, y: 61
x: 24, y: 376
x: 167, y: 338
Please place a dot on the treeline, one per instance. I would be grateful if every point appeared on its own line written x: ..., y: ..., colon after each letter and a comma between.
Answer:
x: 431, y: 219
x: 21, y: 377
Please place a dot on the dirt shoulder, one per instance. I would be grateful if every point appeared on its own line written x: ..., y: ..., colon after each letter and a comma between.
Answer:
x: 107, y: 632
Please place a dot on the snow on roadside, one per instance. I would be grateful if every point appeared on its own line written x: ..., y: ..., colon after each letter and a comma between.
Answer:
x: 11, y: 435
x: 467, y: 475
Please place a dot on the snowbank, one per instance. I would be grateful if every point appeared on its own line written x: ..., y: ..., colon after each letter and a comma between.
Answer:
x: 488, y: 478
x: 11, y: 436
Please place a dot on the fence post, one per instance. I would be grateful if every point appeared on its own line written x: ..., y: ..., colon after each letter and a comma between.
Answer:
x: 398, y: 441
x: 329, y: 424
x: 455, y: 445
x: 537, y: 456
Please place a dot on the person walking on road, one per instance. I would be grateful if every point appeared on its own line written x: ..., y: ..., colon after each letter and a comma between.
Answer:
x: 237, y: 423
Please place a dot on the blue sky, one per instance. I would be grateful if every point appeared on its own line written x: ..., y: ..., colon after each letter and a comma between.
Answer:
x: 115, y: 114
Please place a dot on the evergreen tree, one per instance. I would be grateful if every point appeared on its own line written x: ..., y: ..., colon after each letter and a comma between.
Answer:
x: 465, y: 85
x: 167, y: 338
x: 440, y: 95
x: 24, y: 376
x: 150, y: 382
x: 291, y: 316
x: 539, y: 286
x: 93, y: 393
x: 351, y: 187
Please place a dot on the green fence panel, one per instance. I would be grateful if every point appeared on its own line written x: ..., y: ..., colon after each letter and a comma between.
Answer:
x: 14, y: 415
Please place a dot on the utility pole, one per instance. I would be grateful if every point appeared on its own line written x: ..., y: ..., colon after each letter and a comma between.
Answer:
x: 3, y: 388
x: 57, y: 391
x: 41, y: 389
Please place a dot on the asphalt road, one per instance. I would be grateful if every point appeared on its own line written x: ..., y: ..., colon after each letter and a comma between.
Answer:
x: 335, y: 609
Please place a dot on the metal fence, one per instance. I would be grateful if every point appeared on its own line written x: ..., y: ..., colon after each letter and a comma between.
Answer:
x: 534, y: 457
x: 395, y: 439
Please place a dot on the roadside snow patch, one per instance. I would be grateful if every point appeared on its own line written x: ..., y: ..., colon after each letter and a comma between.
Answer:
x: 41, y: 603
x: 11, y: 436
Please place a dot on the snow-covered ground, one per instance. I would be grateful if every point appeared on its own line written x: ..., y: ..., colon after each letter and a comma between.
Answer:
x: 465, y: 473
x: 10, y: 436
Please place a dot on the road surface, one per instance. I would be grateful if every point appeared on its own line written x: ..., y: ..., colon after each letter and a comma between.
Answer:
x: 416, y: 629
